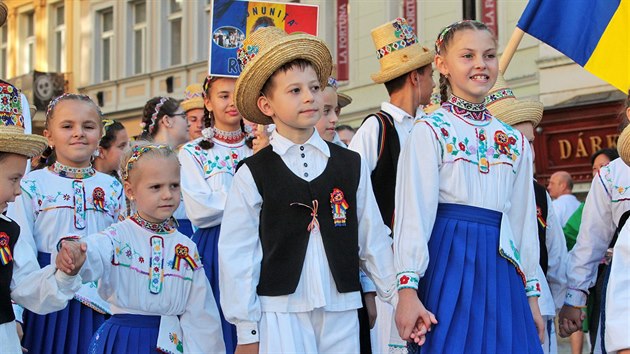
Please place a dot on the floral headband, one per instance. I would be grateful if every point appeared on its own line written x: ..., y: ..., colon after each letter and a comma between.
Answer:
x: 66, y: 96
x: 138, y: 151
x: 446, y: 30
x: 158, y: 106
x: 332, y: 82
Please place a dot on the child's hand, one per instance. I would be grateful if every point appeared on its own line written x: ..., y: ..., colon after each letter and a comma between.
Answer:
x: 370, y: 307
x: 412, y: 319
x: 71, y: 257
x: 251, y: 348
x: 261, y: 139
x: 570, y: 320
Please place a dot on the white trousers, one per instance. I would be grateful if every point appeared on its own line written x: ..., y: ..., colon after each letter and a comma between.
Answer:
x: 317, y: 331
x: 9, y: 341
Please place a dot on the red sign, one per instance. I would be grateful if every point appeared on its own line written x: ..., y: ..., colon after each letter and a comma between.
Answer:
x: 410, y: 12
x: 489, y: 15
x: 343, y: 52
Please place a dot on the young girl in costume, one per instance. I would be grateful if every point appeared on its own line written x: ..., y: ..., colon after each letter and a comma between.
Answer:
x: 111, y: 147
x: 165, y: 122
x: 210, y: 163
x: 465, y: 243
x: 21, y: 279
x: 68, y: 197
x: 150, y: 272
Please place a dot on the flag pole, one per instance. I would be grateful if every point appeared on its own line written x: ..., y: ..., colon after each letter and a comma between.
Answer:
x: 510, y: 49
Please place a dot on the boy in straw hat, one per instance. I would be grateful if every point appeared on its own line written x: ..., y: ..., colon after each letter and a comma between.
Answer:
x: 193, y: 106
x: 301, y: 216
x: 21, y: 279
x: 406, y: 71
x: 525, y: 116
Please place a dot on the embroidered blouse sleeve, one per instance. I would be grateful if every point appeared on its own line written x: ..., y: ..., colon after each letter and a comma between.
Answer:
x: 204, y: 206
x: 596, y: 232
x: 375, y: 250
x: 39, y: 290
x: 200, y: 322
x: 365, y: 142
x: 240, y: 256
x: 522, y: 216
x: 557, y: 256
x: 417, y: 193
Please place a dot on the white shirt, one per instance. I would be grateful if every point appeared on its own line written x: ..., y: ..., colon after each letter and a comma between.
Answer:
x: 207, y: 177
x: 564, y: 206
x: 442, y: 163
x: 123, y: 258
x: 617, y: 336
x: 240, y: 251
x: 52, y: 206
x: 365, y: 141
x: 39, y: 290
x: 607, y: 200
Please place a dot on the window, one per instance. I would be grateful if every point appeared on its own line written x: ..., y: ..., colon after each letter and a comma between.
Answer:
x: 139, y: 18
x: 27, y: 45
x: 59, y: 44
x: 3, y: 52
x: 105, y: 45
x: 175, y: 31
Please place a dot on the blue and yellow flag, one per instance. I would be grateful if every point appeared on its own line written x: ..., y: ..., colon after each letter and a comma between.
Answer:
x: 594, y: 33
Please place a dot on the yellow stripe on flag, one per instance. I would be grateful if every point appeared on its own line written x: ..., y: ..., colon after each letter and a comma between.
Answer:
x: 611, y: 59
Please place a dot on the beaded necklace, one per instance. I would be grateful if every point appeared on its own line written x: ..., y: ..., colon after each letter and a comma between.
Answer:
x: 72, y: 172
x: 229, y: 137
x: 165, y: 226
x: 466, y: 109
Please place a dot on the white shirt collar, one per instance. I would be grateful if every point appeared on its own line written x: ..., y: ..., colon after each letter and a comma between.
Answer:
x: 396, y: 112
x: 281, y: 145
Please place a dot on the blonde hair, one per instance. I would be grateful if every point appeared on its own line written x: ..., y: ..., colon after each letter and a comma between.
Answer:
x: 139, y: 150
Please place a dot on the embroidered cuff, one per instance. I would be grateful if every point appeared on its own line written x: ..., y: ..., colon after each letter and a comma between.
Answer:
x: 407, y: 280
x: 532, y: 288
x: 247, y: 332
x: 67, y: 238
x: 576, y: 298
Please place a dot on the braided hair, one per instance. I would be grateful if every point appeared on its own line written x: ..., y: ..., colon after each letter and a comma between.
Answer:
x: 154, y: 110
x: 441, y: 45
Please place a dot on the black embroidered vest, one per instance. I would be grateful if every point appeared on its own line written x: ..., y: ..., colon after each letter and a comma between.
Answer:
x: 384, y: 175
x: 12, y: 230
x: 542, y: 212
x: 284, y: 225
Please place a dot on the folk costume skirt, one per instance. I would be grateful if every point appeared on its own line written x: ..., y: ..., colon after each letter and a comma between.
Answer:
x: 207, y: 241
x: 67, y: 331
x: 126, y: 333
x: 476, y: 295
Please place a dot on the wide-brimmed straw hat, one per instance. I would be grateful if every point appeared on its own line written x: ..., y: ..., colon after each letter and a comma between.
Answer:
x: 623, y: 145
x: 12, y: 137
x: 398, y: 50
x: 502, y: 103
x: 263, y: 53
x: 343, y: 99
x: 193, y: 97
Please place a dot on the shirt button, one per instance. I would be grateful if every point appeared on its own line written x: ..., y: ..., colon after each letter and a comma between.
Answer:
x: 303, y: 156
x: 302, y: 148
x: 305, y: 164
x: 253, y: 332
x: 305, y: 174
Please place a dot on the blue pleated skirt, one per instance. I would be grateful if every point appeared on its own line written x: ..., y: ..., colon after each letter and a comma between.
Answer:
x: 207, y: 241
x: 477, y: 296
x: 185, y: 227
x: 127, y: 333
x: 67, y: 331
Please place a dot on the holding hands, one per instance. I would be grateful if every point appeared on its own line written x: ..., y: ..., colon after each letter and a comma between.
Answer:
x: 570, y: 320
x: 412, y: 318
x: 71, y: 256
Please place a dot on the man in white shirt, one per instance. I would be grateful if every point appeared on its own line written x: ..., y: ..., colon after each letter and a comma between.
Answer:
x: 560, y: 188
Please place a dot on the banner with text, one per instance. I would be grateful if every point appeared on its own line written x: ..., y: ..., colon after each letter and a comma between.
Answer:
x: 343, y: 44
x: 489, y: 15
x: 233, y: 20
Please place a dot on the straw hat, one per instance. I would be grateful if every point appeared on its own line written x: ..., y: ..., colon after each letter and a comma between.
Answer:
x: 263, y: 53
x: 502, y: 103
x: 193, y: 97
x: 343, y: 99
x: 398, y: 50
x: 12, y: 137
x: 623, y: 145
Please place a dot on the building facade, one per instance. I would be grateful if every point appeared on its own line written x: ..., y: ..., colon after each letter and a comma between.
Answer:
x: 123, y: 52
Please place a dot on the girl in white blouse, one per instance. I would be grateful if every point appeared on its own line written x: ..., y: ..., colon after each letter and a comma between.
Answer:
x: 465, y: 227
x: 149, y: 272
x: 209, y: 164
